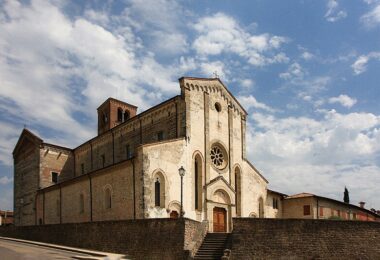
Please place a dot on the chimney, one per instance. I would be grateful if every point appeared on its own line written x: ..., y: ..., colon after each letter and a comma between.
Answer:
x: 362, y: 203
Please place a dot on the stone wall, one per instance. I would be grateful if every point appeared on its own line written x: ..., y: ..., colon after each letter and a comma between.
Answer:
x: 110, y: 147
x: 55, y: 159
x: 140, y: 239
x: 83, y: 198
x: 304, y: 239
x: 26, y: 181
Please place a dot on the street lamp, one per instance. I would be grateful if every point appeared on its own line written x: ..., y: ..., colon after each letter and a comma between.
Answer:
x: 181, y: 172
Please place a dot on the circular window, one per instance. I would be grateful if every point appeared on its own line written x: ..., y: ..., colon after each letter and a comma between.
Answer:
x: 218, y: 156
x: 218, y: 107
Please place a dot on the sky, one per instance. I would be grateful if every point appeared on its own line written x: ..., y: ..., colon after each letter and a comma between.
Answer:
x: 306, y: 71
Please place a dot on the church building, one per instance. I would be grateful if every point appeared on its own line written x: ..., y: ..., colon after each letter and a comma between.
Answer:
x: 132, y: 169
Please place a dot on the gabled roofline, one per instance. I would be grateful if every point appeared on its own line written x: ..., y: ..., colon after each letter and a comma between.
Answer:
x: 224, y: 180
x: 225, y: 87
x: 276, y: 192
x: 256, y: 170
x: 114, y: 99
x: 26, y: 132
x: 58, y: 146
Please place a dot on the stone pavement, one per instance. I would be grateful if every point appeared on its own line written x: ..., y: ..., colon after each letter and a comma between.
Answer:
x: 17, y: 249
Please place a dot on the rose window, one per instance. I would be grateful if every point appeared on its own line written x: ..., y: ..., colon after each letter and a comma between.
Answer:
x: 218, y: 157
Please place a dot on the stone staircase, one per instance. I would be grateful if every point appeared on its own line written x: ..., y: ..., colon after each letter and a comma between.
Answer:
x: 213, y: 246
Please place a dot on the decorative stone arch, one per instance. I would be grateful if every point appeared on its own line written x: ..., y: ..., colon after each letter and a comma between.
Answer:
x: 174, y: 209
x: 211, y: 155
x: 237, y: 173
x: 159, y: 188
x: 261, y: 207
x: 221, y: 196
x: 119, y: 114
x: 221, y: 210
x: 198, y: 173
x: 252, y: 215
x: 107, y: 196
x: 127, y: 115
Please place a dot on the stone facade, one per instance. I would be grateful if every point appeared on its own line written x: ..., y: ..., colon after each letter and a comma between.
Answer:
x: 130, y: 170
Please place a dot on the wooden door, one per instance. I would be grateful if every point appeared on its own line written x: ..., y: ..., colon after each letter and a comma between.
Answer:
x: 174, y: 214
x: 220, y: 220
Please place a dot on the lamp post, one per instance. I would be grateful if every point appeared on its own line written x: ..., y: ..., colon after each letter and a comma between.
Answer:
x: 181, y: 172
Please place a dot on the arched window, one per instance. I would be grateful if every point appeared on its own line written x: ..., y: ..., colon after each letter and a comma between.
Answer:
x: 119, y: 114
x: 107, y: 198
x: 198, y: 182
x: 238, y: 191
x: 126, y: 115
x: 159, y: 190
x: 81, y: 203
x: 105, y: 118
x: 157, y: 187
x: 261, y: 207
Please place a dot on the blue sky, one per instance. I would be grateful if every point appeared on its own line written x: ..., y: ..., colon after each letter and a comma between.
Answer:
x: 307, y: 72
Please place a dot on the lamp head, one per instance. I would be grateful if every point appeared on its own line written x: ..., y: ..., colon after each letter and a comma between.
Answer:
x: 181, y: 171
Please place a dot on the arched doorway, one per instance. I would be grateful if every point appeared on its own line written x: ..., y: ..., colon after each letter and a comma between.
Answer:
x: 220, y: 219
x: 220, y: 214
x: 174, y: 214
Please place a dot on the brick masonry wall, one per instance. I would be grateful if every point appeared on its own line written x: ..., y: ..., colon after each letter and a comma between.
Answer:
x: 304, y: 239
x: 140, y: 239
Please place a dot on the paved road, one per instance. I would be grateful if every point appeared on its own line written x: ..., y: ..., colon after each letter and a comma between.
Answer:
x: 11, y: 250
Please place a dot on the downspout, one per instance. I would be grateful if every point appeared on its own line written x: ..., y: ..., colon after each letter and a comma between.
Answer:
x: 176, y: 119
x: 43, y: 208
x: 113, y: 148
x: 92, y: 164
x: 134, y: 189
x: 89, y: 177
x: 317, y: 208
x: 75, y: 166
x: 60, y: 204
x: 229, y: 144
x: 35, y: 211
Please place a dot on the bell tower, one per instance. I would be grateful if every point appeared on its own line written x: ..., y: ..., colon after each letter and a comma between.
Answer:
x: 112, y: 113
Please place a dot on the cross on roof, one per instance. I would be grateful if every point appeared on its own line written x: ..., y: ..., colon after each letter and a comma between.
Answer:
x: 215, y: 73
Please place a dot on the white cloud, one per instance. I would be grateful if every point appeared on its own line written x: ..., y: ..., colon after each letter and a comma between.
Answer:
x: 221, y: 33
x: 360, y: 65
x: 209, y: 68
x: 333, y: 13
x: 247, y: 83
x: 250, y: 101
x: 299, y: 154
x: 372, y: 18
x: 344, y: 100
x: 8, y: 139
x: 307, y: 55
x: 65, y: 67
x: 5, y: 180
x: 295, y: 71
x: 159, y: 20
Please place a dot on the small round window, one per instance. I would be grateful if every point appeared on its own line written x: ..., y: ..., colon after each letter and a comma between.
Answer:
x: 218, y: 156
x: 218, y: 107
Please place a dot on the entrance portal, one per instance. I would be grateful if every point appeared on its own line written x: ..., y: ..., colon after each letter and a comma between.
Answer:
x: 220, y: 219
